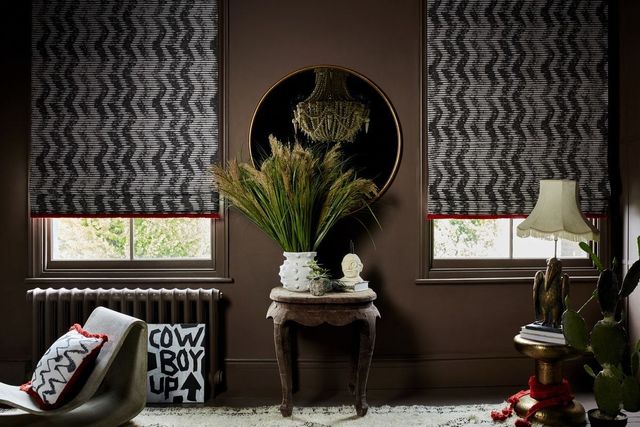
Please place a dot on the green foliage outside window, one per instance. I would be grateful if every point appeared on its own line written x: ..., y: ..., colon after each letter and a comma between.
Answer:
x: 111, y: 235
x: 493, y: 238
x: 171, y: 238
x: 109, y: 238
x: 465, y: 237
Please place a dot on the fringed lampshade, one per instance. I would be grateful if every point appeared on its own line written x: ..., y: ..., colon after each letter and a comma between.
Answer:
x: 557, y: 214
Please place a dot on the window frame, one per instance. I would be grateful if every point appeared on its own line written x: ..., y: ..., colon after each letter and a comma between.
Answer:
x: 494, y: 270
x: 127, y: 262
x: 178, y: 273
x: 482, y: 271
x: 44, y: 269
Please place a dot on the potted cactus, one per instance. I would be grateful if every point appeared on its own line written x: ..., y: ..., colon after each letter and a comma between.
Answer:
x: 615, y: 385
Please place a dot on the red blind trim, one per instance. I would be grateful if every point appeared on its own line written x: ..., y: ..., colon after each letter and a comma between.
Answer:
x: 452, y: 216
x: 431, y: 216
x: 156, y: 215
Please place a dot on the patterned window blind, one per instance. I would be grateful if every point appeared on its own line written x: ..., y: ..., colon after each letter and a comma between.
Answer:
x: 517, y: 91
x: 125, y: 107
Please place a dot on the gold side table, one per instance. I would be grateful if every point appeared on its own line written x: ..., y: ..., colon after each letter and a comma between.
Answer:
x: 549, y: 358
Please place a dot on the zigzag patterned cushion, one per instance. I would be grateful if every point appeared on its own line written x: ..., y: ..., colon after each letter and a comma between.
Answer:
x: 60, y: 372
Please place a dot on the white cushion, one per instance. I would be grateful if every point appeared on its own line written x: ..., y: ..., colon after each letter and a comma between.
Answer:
x: 62, y: 370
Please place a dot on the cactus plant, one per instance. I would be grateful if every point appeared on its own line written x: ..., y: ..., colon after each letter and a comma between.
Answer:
x: 615, y: 385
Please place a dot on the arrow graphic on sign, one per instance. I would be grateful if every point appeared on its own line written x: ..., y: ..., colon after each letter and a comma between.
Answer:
x: 192, y: 386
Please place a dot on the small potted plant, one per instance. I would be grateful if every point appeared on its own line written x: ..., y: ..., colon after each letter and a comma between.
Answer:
x: 615, y: 385
x: 319, y: 279
x: 296, y: 196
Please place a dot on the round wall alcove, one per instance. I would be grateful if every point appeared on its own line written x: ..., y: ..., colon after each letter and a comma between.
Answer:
x: 323, y: 105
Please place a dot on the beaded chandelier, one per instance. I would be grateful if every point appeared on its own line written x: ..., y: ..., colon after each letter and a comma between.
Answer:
x: 330, y: 113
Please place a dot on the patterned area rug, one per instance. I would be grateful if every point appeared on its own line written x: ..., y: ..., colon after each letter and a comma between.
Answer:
x: 343, y: 416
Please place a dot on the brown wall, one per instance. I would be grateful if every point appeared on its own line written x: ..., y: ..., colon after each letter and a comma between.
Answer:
x: 14, y: 133
x: 630, y: 143
x: 429, y: 335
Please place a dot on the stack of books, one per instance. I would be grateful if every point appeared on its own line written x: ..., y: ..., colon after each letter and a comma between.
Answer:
x: 361, y: 286
x: 546, y: 334
x: 357, y: 287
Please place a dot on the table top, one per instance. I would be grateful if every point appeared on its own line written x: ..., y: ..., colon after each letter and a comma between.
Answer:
x: 280, y: 294
x: 545, y: 351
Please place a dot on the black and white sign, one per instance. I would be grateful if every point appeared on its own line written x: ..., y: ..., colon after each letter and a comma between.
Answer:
x: 176, y: 356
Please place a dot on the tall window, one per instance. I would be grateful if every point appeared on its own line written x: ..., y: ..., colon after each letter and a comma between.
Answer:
x: 140, y: 146
x: 489, y: 140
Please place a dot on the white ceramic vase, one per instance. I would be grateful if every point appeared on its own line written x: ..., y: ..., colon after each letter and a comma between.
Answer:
x: 295, y: 270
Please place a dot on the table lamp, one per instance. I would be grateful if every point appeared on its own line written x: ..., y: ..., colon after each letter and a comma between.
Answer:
x: 556, y: 215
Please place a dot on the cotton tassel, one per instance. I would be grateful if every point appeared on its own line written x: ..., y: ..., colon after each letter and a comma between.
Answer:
x: 501, y: 415
x: 505, y: 413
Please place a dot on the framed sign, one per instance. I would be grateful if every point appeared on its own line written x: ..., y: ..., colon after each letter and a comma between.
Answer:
x: 176, y: 359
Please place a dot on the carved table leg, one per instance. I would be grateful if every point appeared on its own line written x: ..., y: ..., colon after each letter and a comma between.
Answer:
x: 282, y: 339
x: 354, y: 356
x: 367, y: 342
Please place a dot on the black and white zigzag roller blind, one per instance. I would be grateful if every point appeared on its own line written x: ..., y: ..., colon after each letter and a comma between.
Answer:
x: 125, y: 107
x: 517, y: 91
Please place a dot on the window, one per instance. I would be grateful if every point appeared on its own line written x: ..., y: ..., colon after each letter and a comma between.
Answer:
x: 130, y: 239
x: 489, y: 251
x: 479, y: 164
x: 154, y: 163
x: 493, y: 238
x: 137, y: 249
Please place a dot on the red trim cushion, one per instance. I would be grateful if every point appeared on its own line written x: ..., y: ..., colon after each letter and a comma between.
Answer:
x: 64, y: 367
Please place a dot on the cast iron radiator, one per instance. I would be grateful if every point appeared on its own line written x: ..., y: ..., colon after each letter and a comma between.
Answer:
x: 55, y: 310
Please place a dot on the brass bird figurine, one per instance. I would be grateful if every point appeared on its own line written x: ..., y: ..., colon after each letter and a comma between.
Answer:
x: 549, y: 292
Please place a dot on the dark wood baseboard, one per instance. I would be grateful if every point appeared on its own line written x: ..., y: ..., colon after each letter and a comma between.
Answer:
x: 257, y: 376
x: 386, y: 373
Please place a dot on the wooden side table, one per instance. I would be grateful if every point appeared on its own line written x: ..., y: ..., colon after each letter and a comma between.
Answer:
x: 338, y: 309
